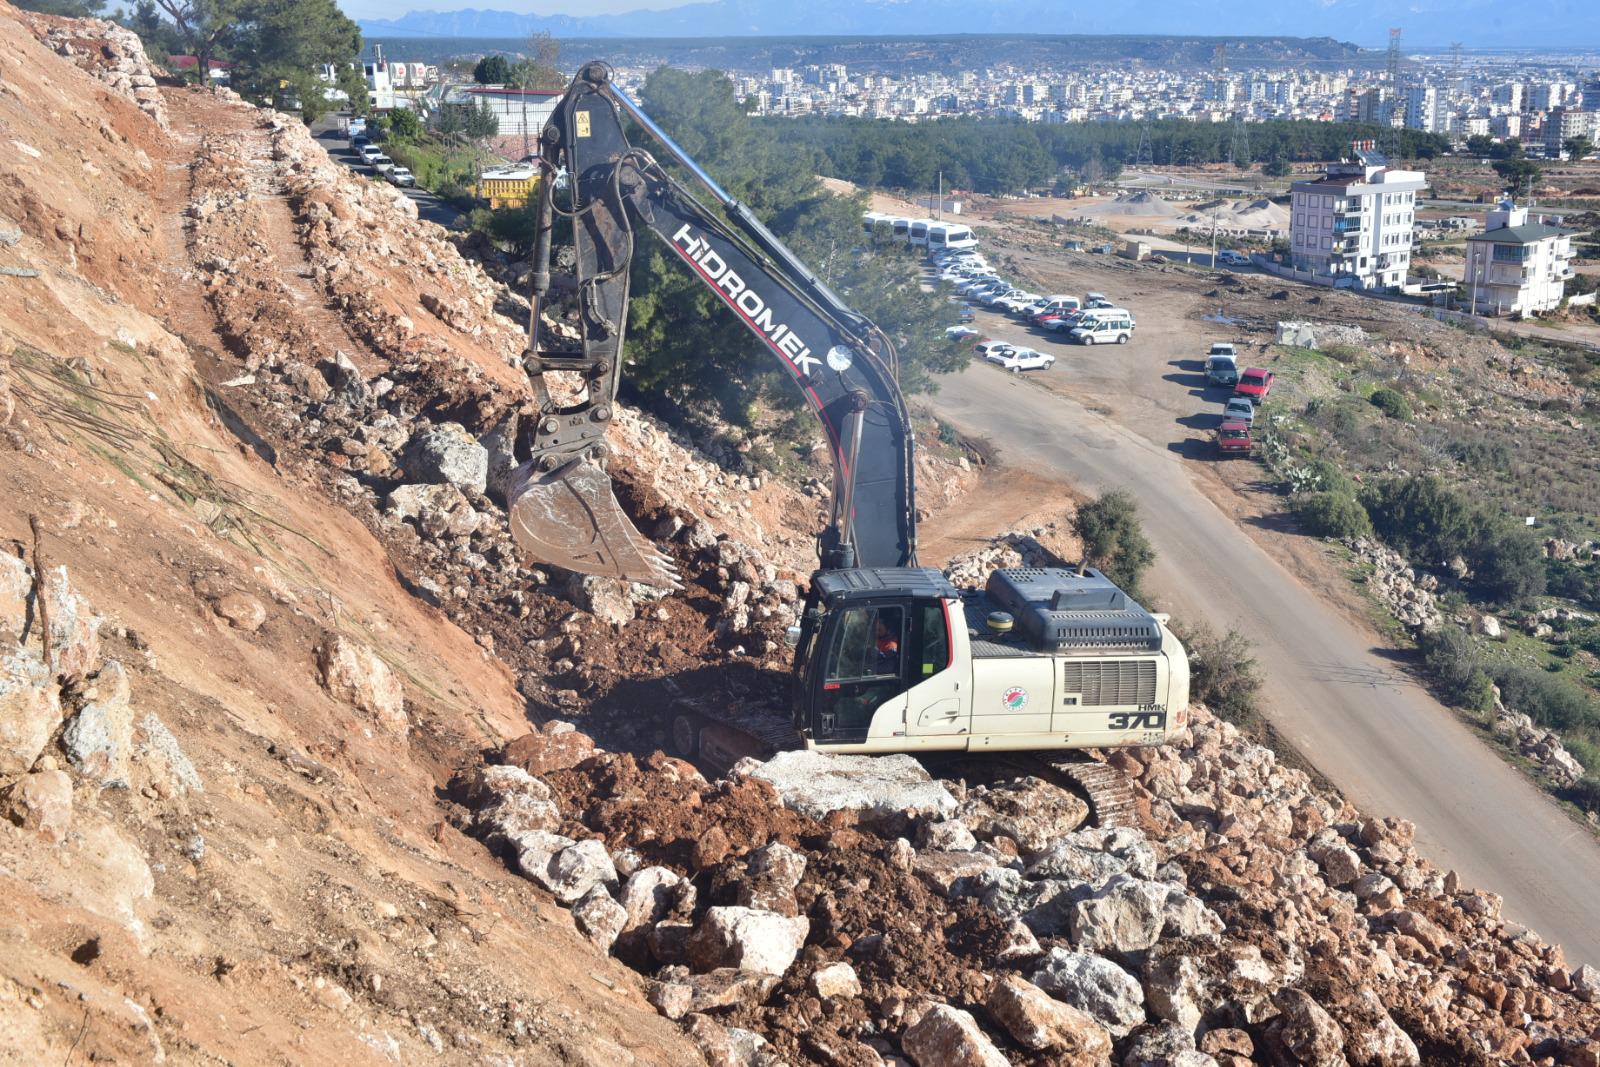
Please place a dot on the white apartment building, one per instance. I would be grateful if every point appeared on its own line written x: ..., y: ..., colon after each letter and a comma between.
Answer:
x: 1422, y: 108
x: 1356, y: 221
x: 1517, y: 266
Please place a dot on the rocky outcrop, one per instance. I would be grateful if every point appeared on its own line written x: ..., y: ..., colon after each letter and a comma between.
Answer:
x: 1410, y: 598
x: 109, y: 52
x: 1254, y: 918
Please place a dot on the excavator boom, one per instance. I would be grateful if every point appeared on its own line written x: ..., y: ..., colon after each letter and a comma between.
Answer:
x: 563, y: 508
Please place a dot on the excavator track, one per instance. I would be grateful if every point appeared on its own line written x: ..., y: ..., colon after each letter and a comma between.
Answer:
x: 1109, y: 792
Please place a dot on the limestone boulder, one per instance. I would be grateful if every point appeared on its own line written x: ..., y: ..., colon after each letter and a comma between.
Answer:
x: 1040, y: 1022
x: 747, y: 940
x: 1093, y: 984
x: 949, y: 1037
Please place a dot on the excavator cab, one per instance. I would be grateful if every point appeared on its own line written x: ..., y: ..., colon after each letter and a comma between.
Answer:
x: 871, y: 637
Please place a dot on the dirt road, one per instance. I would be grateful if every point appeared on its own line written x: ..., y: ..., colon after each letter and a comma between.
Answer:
x: 1351, y: 711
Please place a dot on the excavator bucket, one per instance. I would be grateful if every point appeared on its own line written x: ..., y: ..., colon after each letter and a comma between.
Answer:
x: 570, y: 518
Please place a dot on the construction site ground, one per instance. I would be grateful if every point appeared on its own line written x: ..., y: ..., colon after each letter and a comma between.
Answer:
x: 286, y: 724
x: 1140, y: 417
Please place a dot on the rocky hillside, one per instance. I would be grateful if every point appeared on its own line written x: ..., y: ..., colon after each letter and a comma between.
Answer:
x: 300, y: 763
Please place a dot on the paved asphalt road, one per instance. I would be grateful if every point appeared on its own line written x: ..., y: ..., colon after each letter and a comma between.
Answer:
x: 429, y: 207
x: 1382, y: 740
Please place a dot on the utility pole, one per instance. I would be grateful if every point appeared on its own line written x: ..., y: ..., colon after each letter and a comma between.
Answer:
x: 1213, y: 238
x: 1390, y: 143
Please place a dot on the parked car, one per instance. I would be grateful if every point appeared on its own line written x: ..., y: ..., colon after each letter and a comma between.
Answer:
x: 1100, y: 331
x: 1239, y: 409
x: 1234, y: 440
x: 985, y: 349
x: 1255, y: 383
x: 1232, y: 258
x: 401, y: 176
x: 964, y: 314
x: 1015, y: 302
x: 1017, y: 360
x: 960, y: 333
x: 1094, y: 301
x: 998, y: 292
x: 1061, y: 322
x: 1222, y: 365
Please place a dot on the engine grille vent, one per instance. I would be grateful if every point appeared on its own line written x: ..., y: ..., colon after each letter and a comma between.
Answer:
x: 1110, y: 682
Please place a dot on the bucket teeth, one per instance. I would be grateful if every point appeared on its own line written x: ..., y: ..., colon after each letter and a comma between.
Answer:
x: 570, y: 518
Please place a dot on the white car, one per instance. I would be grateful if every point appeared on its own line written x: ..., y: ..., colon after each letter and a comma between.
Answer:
x: 1116, y: 329
x: 381, y: 163
x: 959, y: 333
x: 1016, y: 302
x: 369, y: 152
x: 1017, y: 360
x: 989, y: 349
x: 401, y: 176
x: 1241, y: 408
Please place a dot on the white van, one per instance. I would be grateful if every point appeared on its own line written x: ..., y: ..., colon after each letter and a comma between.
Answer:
x: 870, y: 220
x: 902, y: 228
x: 919, y: 232
x: 950, y: 236
x: 1106, y: 326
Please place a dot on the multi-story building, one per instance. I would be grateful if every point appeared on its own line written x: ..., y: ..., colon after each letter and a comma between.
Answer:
x: 1353, y: 226
x: 1422, y: 108
x: 1517, y: 266
x: 1565, y: 123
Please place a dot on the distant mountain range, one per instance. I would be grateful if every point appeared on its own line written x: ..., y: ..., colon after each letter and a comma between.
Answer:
x: 1476, y: 23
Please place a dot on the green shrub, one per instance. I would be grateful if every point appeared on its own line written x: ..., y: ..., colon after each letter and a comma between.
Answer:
x: 1430, y: 521
x: 1550, y: 701
x: 1113, y: 539
x: 1453, y: 663
x: 1344, y: 353
x: 1332, y: 514
x: 1508, y: 564
x: 1585, y: 792
x: 1391, y: 403
x: 1223, y: 674
x: 1329, y: 476
x: 1585, y: 752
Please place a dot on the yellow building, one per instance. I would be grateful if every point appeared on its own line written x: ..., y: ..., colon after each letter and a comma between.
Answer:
x: 508, y: 186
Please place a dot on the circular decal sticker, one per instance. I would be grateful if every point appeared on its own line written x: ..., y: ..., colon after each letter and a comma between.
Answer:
x: 1015, y: 698
x: 840, y: 358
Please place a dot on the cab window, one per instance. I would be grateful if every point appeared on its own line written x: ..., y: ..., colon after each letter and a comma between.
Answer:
x: 935, y: 644
x: 867, y: 645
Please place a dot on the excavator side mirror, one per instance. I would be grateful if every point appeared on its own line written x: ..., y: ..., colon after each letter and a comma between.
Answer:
x: 791, y: 636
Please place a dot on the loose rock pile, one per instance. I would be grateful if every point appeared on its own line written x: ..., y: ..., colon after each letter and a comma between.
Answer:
x: 1254, y: 918
x: 1538, y: 744
x: 110, y: 52
x: 69, y: 728
x: 1409, y: 598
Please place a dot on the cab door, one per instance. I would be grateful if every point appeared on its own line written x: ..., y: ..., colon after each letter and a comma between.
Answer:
x: 937, y: 702
x: 862, y: 675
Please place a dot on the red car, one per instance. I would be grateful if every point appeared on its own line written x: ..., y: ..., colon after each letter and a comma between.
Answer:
x: 1061, y: 323
x: 1233, y: 439
x: 1255, y: 383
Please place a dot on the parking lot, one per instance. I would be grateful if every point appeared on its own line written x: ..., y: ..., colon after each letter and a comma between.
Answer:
x: 1156, y: 384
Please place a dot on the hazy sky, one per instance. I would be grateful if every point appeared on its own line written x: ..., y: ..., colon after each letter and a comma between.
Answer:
x: 380, y: 9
